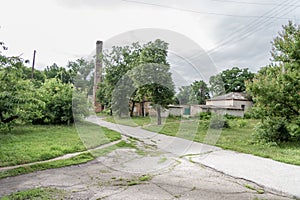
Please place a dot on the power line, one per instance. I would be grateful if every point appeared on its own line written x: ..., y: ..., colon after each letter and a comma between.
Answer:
x: 252, y: 27
x: 248, y: 30
x: 253, y: 3
x: 200, y: 12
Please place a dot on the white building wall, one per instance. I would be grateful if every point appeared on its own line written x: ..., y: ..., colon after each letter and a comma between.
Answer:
x: 220, y: 103
x: 195, y: 109
x: 238, y: 113
x: 231, y: 103
x: 175, y: 111
x: 238, y: 104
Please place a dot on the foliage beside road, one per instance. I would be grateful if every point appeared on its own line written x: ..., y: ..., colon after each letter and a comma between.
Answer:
x: 240, y: 136
x: 50, y: 97
x: 276, y: 89
x: 37, y: 193
x: 78, y: 159
x: 26, y: 144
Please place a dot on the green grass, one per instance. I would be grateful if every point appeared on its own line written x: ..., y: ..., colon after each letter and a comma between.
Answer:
x: 251, y: 187
x: 131, y: 121
x: 37, y: 193
x: 102, y: 152
x: 131, y: 182
x: 93, y: 135
x: 79, y: 159
x: 238, y: 138
x: 27, y: 144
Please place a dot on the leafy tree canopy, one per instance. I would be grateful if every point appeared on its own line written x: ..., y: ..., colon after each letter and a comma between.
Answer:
x: 276, y: 88
x: 123, y: 80
x: 17, y: 98
x: 196, y: 93
x: 230, y: 80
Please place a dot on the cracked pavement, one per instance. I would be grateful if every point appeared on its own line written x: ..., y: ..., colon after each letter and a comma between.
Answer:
x: 99, y: 179
x: 121, y: 175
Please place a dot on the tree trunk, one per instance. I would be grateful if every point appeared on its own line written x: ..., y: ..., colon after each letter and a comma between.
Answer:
x: 158, y: 115
x: 143, y: 108
x: 132, y: 108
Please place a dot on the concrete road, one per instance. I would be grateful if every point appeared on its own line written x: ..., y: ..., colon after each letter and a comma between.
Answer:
x: 265, y: 172
x: 113, y: 177
x: 157, y: 169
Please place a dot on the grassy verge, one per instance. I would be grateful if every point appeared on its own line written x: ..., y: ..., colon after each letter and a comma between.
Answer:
x: 26, y: 144
x: 238, y: 138
x: 79, y: 159
x: 37, y: 193
x: 130, y: 121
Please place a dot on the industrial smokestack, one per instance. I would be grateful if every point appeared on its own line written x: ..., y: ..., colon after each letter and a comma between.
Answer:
x: 97, y: 75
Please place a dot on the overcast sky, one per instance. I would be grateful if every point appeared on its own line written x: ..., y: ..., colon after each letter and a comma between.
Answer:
x: 229, y: 32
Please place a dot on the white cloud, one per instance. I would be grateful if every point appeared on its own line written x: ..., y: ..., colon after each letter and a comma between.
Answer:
x: 64, y: 30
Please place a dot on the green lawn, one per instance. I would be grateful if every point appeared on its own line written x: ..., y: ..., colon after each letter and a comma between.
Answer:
x: 26, y: 144
x: 79, y: 159
x: 37, y: 193
x: 130, y: 121
x: 238, y: 138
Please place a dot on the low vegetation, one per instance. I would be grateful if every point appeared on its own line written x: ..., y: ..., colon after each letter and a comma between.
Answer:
x: 27, y: 144
x: 37, y: 193
x: 130, y: 121
x: 239, y: 136
x: 79, y: 159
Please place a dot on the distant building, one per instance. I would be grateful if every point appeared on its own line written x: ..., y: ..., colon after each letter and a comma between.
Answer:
x: 234, y: 103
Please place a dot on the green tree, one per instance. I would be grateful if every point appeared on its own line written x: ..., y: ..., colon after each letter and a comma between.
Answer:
x: 275, y: 88
x: 196, y: 93
x: 117, y: 63
x: 230, y: 80
x: 39, y: 76
x: 80, y: 73
x: 62, y: 103
x: 184, y: 94
x: 60, y: 73
x: 155, y: 82
x: 200, y: 92
x: 17, y: 96
x: 120, y: 80
x: 155, y: 72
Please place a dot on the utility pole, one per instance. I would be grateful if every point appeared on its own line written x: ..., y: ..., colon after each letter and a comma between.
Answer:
x: 33, y: 62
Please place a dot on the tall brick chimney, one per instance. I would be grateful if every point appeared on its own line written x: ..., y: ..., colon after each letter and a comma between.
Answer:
x: 97, y: 75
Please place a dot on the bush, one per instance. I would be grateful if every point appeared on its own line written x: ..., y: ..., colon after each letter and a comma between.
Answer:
x: 218, y: 121
x: 80, y: 105
x: 228, y: 116
x: 294, y: 128
x: 253, y: 113
x: 240, y: 123
x: 18, y: 101
x: 203, y: 115
x: 58, y: 97
x: 273, y: 130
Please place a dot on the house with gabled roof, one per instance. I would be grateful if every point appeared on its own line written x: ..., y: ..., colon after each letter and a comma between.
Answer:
x: 233, y: 103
